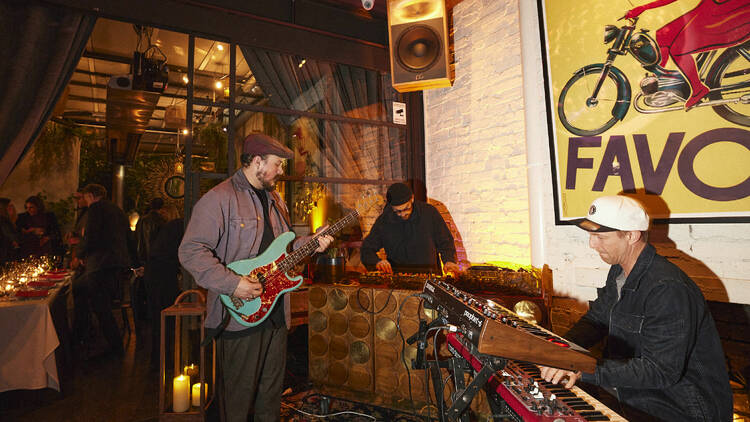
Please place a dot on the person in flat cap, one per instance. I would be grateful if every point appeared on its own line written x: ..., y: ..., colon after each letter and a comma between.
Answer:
x: 236, y: 220
x: 663, y: 358
x: 412, y: 233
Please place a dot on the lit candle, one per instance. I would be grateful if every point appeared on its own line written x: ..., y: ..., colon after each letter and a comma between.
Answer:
x: 181, y: 394
x: 190, y: 370
x: 197, y: 393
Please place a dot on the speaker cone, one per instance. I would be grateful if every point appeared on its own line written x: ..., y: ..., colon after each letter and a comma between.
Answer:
x: 418, y: 48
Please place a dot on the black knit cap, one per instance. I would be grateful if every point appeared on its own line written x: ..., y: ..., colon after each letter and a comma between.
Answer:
x: 398, y: 194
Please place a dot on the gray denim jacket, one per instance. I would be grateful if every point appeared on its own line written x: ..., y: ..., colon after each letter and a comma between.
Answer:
x: 223, y: 228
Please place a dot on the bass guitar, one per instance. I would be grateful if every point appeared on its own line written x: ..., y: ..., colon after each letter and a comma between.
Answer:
x: 272, y: 266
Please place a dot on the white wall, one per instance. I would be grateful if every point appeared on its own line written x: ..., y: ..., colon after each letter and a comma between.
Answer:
x: 475, y: 157
x: 493, y: 174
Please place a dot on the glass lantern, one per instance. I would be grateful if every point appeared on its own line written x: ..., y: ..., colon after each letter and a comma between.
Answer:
x: 187, y: 370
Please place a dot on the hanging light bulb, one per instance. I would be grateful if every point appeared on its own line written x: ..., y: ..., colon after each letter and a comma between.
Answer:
x: 219, y: 85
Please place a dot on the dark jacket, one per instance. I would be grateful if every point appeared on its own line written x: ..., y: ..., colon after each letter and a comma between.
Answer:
x: 31, y: 244
x: 145, y: 233
x: 107, y: 240
x: 410, y: 244
x: 663, y: 353
x: 8, y: 241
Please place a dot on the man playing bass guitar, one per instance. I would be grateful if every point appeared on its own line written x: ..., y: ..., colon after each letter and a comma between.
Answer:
x: 236, y: 220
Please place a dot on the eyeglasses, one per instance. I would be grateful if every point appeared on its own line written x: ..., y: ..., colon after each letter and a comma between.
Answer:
x: 405, y: 210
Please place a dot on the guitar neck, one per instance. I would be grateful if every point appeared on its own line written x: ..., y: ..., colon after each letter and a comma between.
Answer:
x: 310, y: 246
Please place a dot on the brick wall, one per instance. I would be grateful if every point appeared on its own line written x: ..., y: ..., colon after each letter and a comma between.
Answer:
x: 477, y: 150
x: 475, y: 157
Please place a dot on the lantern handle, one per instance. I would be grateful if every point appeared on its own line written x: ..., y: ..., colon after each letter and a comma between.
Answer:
x: 201, y: 296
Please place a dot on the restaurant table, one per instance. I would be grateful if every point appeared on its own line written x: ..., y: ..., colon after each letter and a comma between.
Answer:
x: 30, y: 335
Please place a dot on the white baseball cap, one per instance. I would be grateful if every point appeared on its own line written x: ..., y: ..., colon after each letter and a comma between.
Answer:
x: 611, y: 213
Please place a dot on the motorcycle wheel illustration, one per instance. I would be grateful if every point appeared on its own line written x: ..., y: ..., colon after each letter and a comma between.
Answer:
x: 585, y: 113
x: 730, y: 69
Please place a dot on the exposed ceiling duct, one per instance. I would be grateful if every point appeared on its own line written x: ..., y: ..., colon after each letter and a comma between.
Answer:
x: 128, y: 114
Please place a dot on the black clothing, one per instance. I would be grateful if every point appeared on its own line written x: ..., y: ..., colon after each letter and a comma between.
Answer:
x: 8, y: 241
x: 663, y: 353
x: 412, y: 243
x: 94, y: 291
x: 107, y: 240
x: 160, y: 278
x: 146, y: 231
x: 268, y: 235
x: 108, y: 251
x: 31, y: 243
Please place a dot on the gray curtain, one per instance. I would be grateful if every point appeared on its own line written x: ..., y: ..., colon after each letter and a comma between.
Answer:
x: 356, y: 151
x: 42, y: 44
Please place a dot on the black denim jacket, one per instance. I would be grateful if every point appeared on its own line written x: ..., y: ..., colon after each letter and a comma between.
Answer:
x: 663, y: 353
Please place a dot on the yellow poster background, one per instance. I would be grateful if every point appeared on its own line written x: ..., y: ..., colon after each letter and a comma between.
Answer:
x: 574, y: 34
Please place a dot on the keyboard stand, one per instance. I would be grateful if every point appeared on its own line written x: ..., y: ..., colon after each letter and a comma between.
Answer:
x: 462, y: 394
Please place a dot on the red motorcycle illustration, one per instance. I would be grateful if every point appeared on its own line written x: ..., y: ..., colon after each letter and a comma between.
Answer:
x: 599, y: 95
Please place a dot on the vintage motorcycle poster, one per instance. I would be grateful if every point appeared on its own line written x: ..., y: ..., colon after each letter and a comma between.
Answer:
x: 650, y: 98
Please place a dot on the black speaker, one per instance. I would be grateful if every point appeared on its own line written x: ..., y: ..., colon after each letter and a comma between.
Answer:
x: 418, y: 34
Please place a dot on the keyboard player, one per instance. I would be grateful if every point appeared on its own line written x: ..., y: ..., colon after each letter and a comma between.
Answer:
x: 663, y: 356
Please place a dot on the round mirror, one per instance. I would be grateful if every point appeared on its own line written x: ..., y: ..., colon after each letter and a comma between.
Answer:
x: 174, y: 186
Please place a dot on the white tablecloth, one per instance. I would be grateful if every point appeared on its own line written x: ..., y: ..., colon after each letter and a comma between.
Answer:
x: 27, y: 344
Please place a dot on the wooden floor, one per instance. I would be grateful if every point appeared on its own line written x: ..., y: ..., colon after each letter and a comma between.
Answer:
x: 124, y: 388
x: 106, y: 388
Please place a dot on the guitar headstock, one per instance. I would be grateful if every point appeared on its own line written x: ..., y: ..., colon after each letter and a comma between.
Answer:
x: 369, y: 199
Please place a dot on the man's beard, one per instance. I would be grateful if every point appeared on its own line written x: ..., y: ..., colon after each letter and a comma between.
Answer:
x: 266, y: 184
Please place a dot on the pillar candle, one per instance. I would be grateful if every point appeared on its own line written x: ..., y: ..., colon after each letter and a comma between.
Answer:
x: 197, y: 393
x: 181, y: 394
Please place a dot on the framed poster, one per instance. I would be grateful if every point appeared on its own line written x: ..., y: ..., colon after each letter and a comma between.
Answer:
x: 650, y: 99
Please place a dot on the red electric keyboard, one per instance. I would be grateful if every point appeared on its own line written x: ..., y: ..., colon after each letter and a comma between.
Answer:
x: 529, y: 396
x: 497, y: 331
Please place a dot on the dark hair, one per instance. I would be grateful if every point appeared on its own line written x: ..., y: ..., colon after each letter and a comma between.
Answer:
x: 4, y: 202
x: 156, y: 204
x: 246, y: 158
x: 37, y: 201
x: 97, y: 191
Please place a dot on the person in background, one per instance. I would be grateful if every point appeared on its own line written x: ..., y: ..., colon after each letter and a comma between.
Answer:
x: 73, y: 238
x: 413, y: 234
x: 663, y: 359
x: 148, y: 228
x: 107, y: 252
x: 239, y: 219
x: 12, y: 213
x: 8, y: 234
x: 161, y: 278
x: 146, y: 231
x: 40, y: 233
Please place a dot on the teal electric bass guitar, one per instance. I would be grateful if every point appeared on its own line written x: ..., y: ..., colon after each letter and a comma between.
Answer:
x: 272, y: 266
